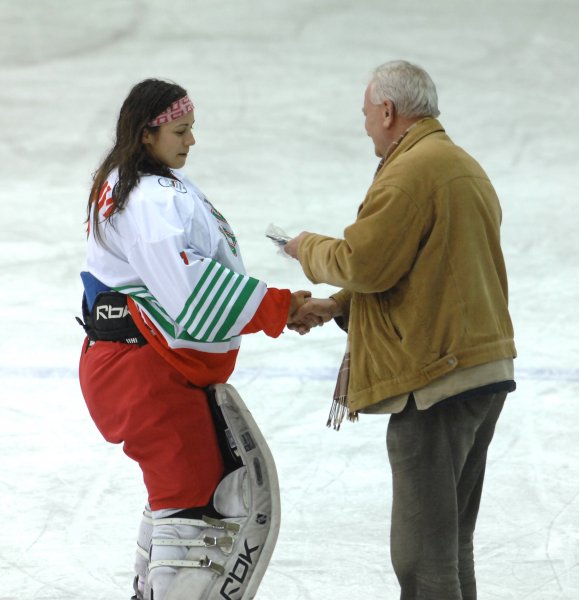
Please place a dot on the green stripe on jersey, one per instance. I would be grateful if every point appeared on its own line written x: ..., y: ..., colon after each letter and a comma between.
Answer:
x: 222, y: 309
x: 208, y: 307
x: 141, y: 295
x: 239, y: 305
x: 200, y: 302
x: 200, y: 284
x: 224, y: 298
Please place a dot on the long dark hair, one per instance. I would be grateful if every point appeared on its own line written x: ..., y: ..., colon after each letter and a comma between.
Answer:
x: 145, y: 101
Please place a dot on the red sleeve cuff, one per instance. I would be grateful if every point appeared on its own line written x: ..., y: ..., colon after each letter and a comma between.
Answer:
x: 272, y: 314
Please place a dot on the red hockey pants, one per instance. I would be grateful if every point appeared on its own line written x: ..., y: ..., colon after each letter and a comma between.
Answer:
x: 134, y: 396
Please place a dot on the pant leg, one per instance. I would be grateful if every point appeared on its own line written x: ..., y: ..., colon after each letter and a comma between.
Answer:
x: 136, y: 398
x: 428, y: 452
x: 469, y: 493
x: 424, y: 529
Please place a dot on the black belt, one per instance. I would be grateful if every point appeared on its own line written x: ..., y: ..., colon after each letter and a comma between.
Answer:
x: 110, y: 320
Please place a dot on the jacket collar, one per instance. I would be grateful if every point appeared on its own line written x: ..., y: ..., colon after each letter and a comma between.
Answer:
x: 416, y: 132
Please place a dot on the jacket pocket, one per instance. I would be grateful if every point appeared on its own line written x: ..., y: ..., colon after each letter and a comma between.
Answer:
x: 391, y: 328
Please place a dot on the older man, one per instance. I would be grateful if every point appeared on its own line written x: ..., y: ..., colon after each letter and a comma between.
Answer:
x: 424, y: 302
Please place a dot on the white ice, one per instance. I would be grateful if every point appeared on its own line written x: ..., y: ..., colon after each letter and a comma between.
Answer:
x: 278, y: 87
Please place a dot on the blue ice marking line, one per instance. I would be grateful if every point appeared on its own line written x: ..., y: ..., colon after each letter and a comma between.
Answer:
x: 55, y: 372
x: 312, y: 374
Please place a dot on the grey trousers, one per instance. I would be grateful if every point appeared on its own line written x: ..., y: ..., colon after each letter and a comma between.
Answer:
x: 438, y: 458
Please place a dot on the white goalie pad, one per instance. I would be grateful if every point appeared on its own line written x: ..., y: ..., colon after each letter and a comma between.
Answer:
x: 227, y: 558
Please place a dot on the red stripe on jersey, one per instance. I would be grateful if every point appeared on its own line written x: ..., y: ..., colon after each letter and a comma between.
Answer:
x: 105, y: 202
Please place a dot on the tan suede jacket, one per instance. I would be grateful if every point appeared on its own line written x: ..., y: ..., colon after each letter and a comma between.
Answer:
x: 422, y: 271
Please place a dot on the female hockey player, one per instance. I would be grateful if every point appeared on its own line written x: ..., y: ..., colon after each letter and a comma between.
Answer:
x: 166, y: 302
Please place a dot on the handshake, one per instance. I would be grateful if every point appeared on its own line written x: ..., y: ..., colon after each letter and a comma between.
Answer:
x: 306, y: 312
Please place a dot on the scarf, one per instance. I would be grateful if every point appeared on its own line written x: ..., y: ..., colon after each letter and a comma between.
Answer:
x: 339, y: 408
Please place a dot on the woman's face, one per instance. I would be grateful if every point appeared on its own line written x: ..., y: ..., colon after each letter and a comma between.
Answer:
x: 171, y: 142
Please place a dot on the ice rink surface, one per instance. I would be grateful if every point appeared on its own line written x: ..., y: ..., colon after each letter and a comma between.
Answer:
x: 278, y: 88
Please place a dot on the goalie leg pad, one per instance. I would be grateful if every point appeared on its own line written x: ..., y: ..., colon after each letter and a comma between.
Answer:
x: 225, y: 559
x: 142, y: 554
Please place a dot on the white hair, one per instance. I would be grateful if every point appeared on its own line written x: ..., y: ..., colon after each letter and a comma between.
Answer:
x: 408, y: 86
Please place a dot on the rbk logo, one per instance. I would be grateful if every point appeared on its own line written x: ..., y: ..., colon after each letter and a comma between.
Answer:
x: 106, y: 311
x: 237, y: 576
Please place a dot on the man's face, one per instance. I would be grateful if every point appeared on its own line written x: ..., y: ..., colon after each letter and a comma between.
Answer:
x: 375, y: 124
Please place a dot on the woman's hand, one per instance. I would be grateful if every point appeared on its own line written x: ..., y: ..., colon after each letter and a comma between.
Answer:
x: 298, y: 299
x: 312, y: 313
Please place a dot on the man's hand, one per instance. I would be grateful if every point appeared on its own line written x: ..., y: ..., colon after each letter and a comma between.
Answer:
x: 313, y: 312
x: 293, y: 245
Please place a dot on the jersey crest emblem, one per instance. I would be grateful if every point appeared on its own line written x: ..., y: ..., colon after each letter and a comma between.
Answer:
x: 224, y: 227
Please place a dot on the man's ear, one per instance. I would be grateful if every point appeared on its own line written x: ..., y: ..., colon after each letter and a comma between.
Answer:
x: 388, y: 112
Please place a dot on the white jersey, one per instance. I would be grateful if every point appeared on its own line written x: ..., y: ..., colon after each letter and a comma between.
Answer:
x: 177, y: 257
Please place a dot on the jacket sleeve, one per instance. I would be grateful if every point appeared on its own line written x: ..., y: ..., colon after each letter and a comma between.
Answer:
x: 343, y: 299
x: 378, y: 249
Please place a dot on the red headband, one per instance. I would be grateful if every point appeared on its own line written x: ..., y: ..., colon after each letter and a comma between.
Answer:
x: 175, y: 111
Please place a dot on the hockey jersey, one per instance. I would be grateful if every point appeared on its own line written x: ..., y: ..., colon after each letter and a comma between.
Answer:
x: 178, y: 260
